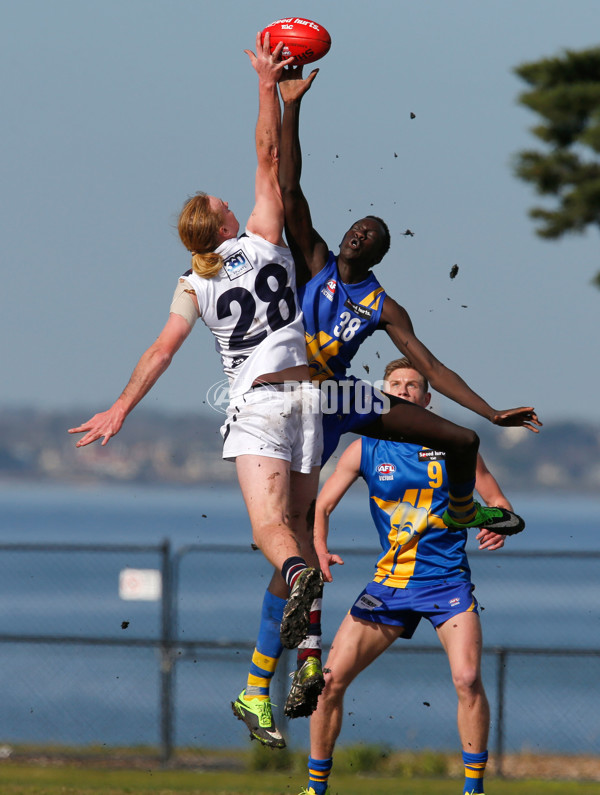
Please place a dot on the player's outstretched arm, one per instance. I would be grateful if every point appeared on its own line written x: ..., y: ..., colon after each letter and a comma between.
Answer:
x: 266, y: 218
x: 151, y: 366
x: 309, y: 250
x: 334, y: 488
x: 398, y: 325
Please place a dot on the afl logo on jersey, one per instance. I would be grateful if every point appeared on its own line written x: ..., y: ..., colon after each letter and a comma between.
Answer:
x: 386, y: 471
x: 329, y: 290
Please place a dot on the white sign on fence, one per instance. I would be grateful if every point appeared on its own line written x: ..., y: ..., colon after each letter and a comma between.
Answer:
x: 140, y: 584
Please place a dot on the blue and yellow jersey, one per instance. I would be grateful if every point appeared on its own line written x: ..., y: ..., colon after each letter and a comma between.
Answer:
x: 408, y: 493
x: 338, y: 318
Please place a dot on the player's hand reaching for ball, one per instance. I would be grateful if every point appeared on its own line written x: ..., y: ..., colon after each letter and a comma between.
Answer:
x: 268, y: 65
x: 292, y: 86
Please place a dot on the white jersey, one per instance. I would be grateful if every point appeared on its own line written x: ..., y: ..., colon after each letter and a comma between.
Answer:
x: 252, y: 309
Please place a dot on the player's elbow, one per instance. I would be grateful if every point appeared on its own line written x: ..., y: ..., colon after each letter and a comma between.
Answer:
x: 161, y: 357
x: 290, y: 192
x: 267, y: 152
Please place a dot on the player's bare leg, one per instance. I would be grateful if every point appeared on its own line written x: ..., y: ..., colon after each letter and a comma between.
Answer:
x: 461, y: 638
x: 303, y: 495
x: 356, y: 644
x: 253, y: 705
x: 265, y: 485
x: 407, y: 422
x: 303, y: 491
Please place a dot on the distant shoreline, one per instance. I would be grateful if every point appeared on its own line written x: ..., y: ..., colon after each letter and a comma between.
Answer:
x: 156, y: 448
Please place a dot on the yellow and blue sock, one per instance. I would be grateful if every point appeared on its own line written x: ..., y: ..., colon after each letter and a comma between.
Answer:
x: 268, y: 648
x: 318, y: 774
x: 474, y: 771
x: 460, y: 501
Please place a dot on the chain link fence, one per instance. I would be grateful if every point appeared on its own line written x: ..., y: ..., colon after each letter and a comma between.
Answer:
x: 122, y: 645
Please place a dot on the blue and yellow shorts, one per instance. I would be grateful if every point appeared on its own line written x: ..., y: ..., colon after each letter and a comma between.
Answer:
x: 405, y: 607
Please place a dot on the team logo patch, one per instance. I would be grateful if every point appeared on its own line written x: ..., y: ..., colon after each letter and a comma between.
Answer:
x: 236, y: 265
x: 329, y: 290
x: 431, y: 455
x: 386, y: 471
x: 454, y: 602
x: 237, y: 360
x: 361, y: 311
x: 368, y: 602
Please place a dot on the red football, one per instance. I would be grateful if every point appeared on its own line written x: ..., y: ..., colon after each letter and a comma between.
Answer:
x: 304, y: 40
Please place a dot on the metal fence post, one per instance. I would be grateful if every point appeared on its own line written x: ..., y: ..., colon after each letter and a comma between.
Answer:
x: 500, y: 688
x: 166, y: 658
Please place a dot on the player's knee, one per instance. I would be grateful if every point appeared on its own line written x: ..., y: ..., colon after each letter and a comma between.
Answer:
x: 467, y: 680
x: 335, y: 684
x: 469, y: 442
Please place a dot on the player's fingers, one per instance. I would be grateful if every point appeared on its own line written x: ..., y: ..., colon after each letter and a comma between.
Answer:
x: 78, y: 429
x: 277, y: 50
x: 531, y: 427
x: 493, y: 546
x: 491, y: 541
x: 86, y: 440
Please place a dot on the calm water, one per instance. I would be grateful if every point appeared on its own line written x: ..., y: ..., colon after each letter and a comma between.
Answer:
x: 105, y: 694
x: 147, y: 514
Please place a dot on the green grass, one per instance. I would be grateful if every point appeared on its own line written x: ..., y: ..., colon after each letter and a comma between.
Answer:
x: 359, y: 770
x: 27, y: 780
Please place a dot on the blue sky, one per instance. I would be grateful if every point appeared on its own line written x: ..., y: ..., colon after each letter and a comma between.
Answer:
x: 114, y: 112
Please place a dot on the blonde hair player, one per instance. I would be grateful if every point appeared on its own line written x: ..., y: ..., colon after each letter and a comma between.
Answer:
x: 243, y: 288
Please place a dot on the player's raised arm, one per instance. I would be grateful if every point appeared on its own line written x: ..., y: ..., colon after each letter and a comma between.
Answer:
x: 308, y: 248
x: 398, y: 325
x: 266, y: 218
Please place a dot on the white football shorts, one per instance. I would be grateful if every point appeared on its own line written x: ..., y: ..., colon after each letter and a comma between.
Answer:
x: 277, y: 421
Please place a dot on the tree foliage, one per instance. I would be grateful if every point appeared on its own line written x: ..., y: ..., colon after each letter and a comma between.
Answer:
x: 565, y: 92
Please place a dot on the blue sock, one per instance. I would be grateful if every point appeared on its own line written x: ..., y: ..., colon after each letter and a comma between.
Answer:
x: 318, y: 774
x: 268, y: 647
x: 474, y: 771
